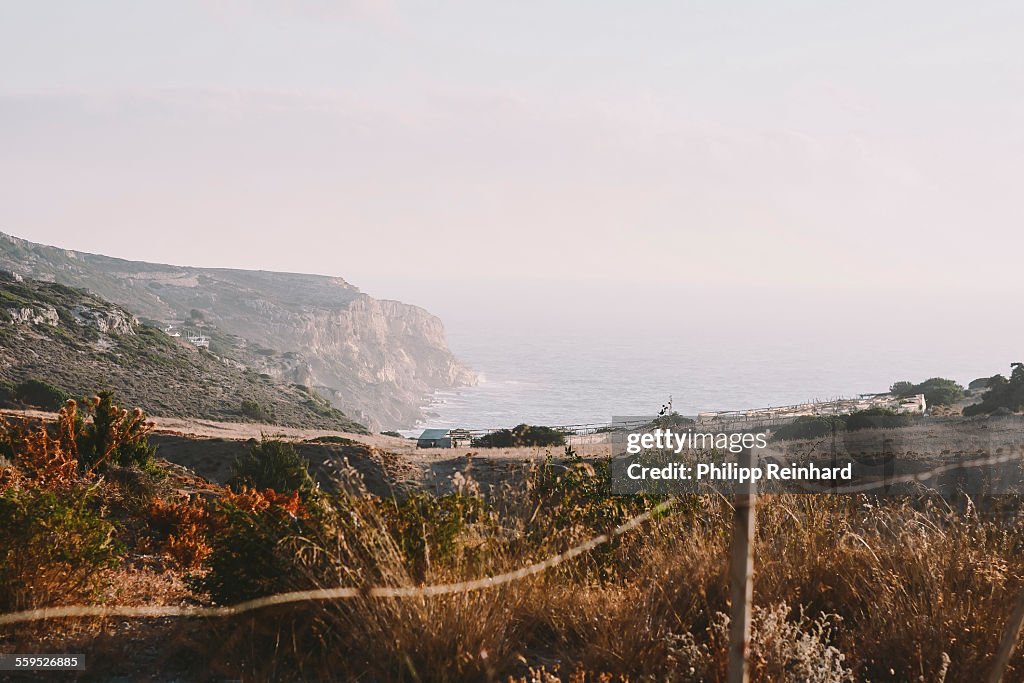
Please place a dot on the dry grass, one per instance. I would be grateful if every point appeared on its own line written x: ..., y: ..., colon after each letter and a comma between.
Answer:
x: 881, y: 594
x: 847, y: 588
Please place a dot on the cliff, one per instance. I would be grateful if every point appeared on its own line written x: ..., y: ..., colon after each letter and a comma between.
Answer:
x: 80, y: 344
x: 376, y: 360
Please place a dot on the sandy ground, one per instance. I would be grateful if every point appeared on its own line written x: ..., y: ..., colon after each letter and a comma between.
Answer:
x: 391, y: 464
x: 387, y: 464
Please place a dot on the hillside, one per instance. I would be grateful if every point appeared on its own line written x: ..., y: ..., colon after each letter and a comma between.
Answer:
x: 376, y: 360
x: 81, y: 343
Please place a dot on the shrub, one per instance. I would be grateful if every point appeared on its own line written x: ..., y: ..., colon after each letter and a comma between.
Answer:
x: 1002, y: 393
x: 332, y: 439
x: 248, y: 556
x: 431, y: 530
x: 38, y: 457
x: 254, y: 411
x: 783, y: 650
x: 521, y: 435
x: 879, y: 418
x: 182, y: 528
x: 671, y: 421
x: 40, y: 394
x: 938, y: 391
x: 7, y: 396
x: 244, y: 562
x: 114, y: 435
x: 810, y: 427
x: 52, y: 547
x: 273, y: 464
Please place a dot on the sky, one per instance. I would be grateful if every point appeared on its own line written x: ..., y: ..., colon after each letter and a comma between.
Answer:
x: 569, y: 157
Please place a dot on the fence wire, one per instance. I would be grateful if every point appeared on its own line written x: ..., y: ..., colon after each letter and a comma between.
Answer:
x: 913, y: 477
x: 341, y: 593
x: 384, y: 592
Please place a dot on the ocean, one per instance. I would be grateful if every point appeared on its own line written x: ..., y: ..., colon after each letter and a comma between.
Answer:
x: 565, y: 376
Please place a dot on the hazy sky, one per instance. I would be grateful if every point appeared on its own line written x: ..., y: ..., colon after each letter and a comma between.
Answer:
x: 442, y: 151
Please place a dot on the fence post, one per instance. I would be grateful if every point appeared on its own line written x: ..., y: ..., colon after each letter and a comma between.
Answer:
x: 741, y: 573
x: 1009, y: 641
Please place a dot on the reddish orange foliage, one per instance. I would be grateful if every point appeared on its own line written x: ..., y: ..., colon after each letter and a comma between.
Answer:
x: 186, y: 525
x: 49, y: 462
x: 254, y: 501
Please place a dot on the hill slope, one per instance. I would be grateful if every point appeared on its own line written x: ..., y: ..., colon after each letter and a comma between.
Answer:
x: 376, y: 360
x: 81, y: 343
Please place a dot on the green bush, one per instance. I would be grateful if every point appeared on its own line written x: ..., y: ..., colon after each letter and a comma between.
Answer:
x: 877, y: 418
x: 7, y: 399
x: 40, y: 394
x: 521, y: 435
x: 246, y: 559
x: 671, y: 421
x: 114, y: 435
x: 273, y: 464
x: 577, y: 494
x: 332, y: 439
x: 431, y: 530
x: 268, y: 543
x: 938, y: 391
x: 254, y: 411
x: 1002, y: 393
x: 810, y: 427
x: 53, y: 548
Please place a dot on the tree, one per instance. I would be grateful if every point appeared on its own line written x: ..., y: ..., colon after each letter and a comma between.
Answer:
x: 1017, y: 373
x: 1002, y: 393
x: 938, y: 391
x: 903, y: 389
x: 521, y: 435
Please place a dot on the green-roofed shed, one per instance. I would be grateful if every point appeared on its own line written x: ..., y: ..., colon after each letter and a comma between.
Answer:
x: 444, y: 438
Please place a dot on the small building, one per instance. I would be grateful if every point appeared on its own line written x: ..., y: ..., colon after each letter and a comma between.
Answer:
x: 444, y: 438
x: 911, y: 405
x: 199, y: 340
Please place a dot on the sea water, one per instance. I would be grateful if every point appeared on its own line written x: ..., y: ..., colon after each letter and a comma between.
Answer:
x: 565, y: 376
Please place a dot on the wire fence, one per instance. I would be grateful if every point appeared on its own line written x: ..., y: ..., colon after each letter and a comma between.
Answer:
x: 341, y: 593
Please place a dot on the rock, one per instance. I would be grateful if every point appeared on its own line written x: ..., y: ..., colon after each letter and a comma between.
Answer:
x: 28, y: 315
x: 376, y: 360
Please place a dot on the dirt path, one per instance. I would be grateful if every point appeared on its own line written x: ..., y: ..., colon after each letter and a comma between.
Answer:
x: 386, y: 463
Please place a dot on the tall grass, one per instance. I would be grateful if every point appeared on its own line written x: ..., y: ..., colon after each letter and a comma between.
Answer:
x: 846, y: 587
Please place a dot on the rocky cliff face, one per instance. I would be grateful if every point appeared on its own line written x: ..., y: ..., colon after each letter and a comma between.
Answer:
x: 375, y: 360
x: 81, y: 344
